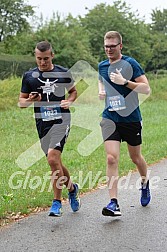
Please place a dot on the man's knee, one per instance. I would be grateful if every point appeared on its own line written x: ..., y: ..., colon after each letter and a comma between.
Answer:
x: 53, y: 160
x: 111, y: 159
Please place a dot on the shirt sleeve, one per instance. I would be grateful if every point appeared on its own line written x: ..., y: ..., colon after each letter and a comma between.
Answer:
x: 137, y: 69
x: 25, y: 88
x: 99, y: 75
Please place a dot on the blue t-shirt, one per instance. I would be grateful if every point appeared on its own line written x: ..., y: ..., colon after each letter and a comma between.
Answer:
x: 121, y: 103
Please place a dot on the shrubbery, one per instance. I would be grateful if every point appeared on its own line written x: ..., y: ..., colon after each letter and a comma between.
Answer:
x: 11, y: 65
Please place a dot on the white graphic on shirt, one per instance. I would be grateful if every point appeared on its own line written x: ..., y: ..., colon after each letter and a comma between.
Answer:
x: 49, y: 87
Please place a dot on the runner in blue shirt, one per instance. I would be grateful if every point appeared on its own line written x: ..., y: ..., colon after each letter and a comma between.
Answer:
x: 121, y: 79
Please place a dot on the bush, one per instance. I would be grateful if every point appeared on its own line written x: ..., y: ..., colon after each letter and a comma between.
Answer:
x: 157, y: 74
x: 14, y: 65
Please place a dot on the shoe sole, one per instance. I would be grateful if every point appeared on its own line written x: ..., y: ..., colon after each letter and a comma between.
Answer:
x: 54, y: 215
x: 144, y: 205
x: 107, y: 212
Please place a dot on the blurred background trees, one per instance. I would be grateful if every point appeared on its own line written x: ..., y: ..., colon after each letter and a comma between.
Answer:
x: 81, y: 38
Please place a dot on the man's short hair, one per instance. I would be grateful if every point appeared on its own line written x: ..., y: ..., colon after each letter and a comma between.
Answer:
x: 113, y: 34
x: 44, y: 46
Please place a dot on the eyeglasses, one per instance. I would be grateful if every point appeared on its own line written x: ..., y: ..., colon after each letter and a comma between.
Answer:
x: 111, y: 46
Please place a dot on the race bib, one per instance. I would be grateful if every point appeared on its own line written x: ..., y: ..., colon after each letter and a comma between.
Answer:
x: 49, y: 113
x: 116, y: 103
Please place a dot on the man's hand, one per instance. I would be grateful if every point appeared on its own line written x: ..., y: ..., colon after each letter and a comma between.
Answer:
x: 102, y: 95
x: 34, y: 97
x: 117, y: 77
x: 65, y: 104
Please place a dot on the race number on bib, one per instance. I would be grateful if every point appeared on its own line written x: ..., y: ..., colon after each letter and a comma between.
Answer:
x: 116, y: 103
x: 49, y: 113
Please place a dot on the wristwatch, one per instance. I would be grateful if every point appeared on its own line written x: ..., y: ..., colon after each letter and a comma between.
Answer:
x: 126, y: 83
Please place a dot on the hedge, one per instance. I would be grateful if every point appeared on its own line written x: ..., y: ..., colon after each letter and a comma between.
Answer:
x: 15, y: 65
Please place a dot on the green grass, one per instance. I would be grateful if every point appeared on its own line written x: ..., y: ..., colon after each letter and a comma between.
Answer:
x: 18, y: 133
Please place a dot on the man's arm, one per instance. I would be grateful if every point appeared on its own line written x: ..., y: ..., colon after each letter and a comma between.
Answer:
x: 72, y: 95
x: 141, y: 84
x: 25, y: 99
x: 102, y: 92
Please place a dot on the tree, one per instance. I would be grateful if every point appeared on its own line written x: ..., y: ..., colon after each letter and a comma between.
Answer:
x: 158, y: 46
x: 159, y: 21
x: 14, y: 16
x: 159, y: 52
x: 135, y: 33
x: 68, y: 37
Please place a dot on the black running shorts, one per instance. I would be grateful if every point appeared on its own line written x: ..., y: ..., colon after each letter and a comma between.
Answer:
x: 53, y: 134
x: 128, y: 132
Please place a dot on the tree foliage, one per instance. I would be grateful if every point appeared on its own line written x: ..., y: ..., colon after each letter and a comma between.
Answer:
x: 159, y: 21
x: 81, y: 38
x: 69, y: 39
x: 118, y: 17
x: 158, y: 47
x: 13, y: 17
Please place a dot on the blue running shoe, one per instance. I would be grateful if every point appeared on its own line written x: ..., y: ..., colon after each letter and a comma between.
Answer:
x: 145, y: 194
x: 56, y: 209
x: 74, y: 199
x: 112, y: 209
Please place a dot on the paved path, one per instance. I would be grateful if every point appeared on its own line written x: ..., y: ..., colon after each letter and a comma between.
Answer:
x: 139, y: 229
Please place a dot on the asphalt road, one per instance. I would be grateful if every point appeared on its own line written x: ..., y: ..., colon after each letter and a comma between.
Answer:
x: 139, y: 229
